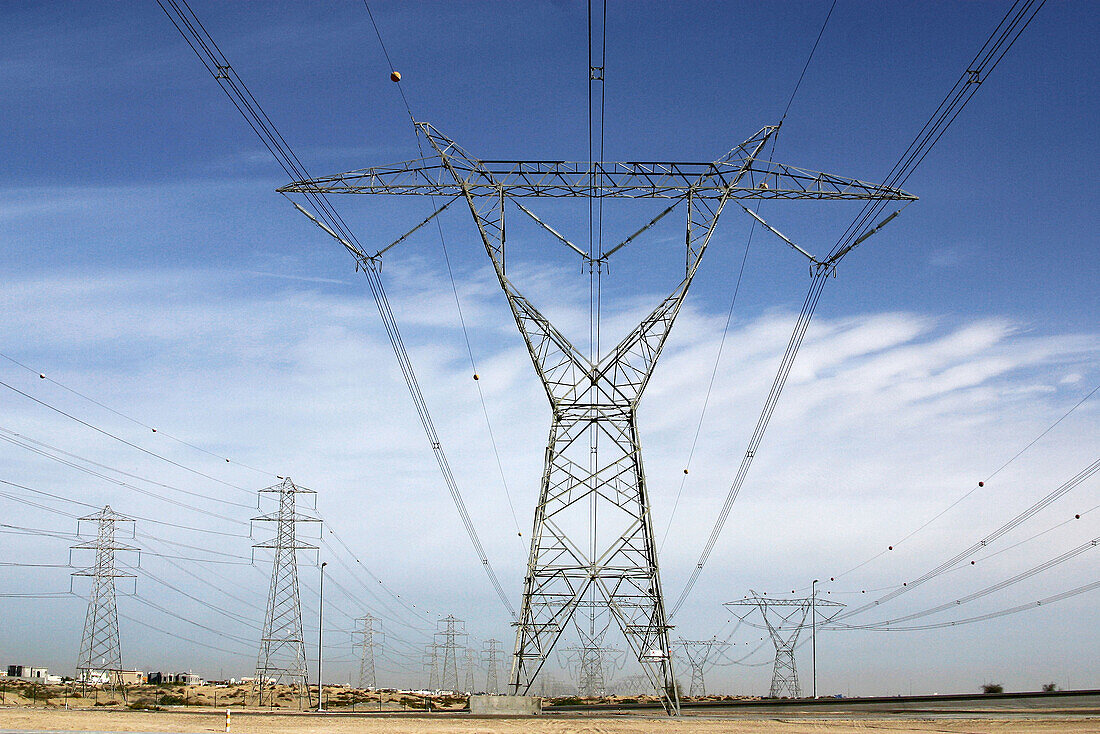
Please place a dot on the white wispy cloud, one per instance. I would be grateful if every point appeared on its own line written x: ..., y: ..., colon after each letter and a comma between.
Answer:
x: 887, y: 418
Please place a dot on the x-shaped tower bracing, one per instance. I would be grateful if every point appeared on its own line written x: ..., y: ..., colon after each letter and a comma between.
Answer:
x: 785, y: 619
x: 594, y: 401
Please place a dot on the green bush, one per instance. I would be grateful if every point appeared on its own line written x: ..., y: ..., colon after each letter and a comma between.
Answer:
x: 993, y: 688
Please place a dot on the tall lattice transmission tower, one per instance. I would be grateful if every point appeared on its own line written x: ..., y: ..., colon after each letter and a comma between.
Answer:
x: 448, y: 641
x: 368, y: 640
x: 282, y: 658
x: 492, y: 654
x: 469, y: 668
x: 592, y: 666
x: 785, y: 619
x: 100, y: 659
x: 431, y: 665
x: 698, y: 653
x: 592, y: 542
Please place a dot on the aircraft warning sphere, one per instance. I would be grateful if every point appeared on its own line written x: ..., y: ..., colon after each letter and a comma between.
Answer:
x: 476, y: 376
x: 981, y: 484
x: 685, y: 471
x: 395, y: 76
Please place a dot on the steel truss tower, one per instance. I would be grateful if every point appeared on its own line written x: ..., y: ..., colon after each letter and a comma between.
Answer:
x: 431, y: 665
x: 492, y: 657
x: 785, y: 619
x: 591, y: 664
x: 469, y: 667
x: 450, y: 630
x: 282, y: 658
x: 698, y: 653
x: 368, y: 639
x: 574, y: 563
x: 100, y: 657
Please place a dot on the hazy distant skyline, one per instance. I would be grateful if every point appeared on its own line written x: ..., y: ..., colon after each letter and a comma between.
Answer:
x: 149, y: 265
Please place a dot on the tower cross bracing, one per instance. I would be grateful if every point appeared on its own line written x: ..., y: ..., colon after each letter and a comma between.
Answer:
x: 574, y: 562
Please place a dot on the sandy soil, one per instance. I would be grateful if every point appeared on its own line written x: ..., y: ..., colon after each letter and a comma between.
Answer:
x: 195, y: 723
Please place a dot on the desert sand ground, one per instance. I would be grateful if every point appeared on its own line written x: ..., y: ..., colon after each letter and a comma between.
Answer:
x: 256, y: 723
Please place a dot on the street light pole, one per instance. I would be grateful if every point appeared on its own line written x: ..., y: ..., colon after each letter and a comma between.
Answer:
x: 813, y: 629
x: 320, y: 637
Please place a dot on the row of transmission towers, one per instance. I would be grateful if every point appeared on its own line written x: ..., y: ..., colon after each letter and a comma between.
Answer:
x: 282, y: 657
x: 441, y: 659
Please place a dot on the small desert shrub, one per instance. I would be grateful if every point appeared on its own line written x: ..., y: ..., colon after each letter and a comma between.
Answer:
x: 144, y: 704
x: 993, y: 688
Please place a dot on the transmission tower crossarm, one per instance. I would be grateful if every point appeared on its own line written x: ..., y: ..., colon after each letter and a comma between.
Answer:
x: 573, y: 179
x: 453, y: 172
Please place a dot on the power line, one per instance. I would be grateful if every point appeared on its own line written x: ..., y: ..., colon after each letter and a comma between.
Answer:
x: 120, y: 414
x: 120, y: 439
x: 976, y: 487
x: 204, y: 46
x: 1023, y: 575
x: 1015, y: 522
x: 986, y: 60
x: 737, y: 285
x: 451, y: 277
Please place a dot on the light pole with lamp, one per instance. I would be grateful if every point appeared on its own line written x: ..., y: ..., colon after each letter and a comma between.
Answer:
x: 320, y: 637
x: 813, y: 630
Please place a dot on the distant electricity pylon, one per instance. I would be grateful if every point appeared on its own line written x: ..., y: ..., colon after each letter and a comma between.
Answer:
x: 492, y: 655
x: 698, y: 653
x: 593, y: 468
x: 448, y: 643
x: 282, y: 657
x: 431, y: 665
x: 100, y: 657
x: 469, y: 667
x: 369, y: 639
x: 592, y: 663
x: 785, y: 619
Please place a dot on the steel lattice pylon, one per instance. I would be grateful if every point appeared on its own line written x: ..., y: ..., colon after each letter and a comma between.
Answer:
x: 282, y: 657
x: 592, y: 664
x: 100, y: 657
x: 368, y: 639
x: 431, y: 665
x: 574, y: 564
x: 449, y: 631
x: 469, y: 668
x: 698, y: 653
x: 492, y: 659
x: 785, y: 619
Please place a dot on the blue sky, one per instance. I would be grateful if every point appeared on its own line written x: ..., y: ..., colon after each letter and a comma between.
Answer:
x: 149, y: 264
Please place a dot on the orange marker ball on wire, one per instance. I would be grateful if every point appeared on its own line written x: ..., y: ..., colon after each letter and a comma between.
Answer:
x: 395, y: 76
